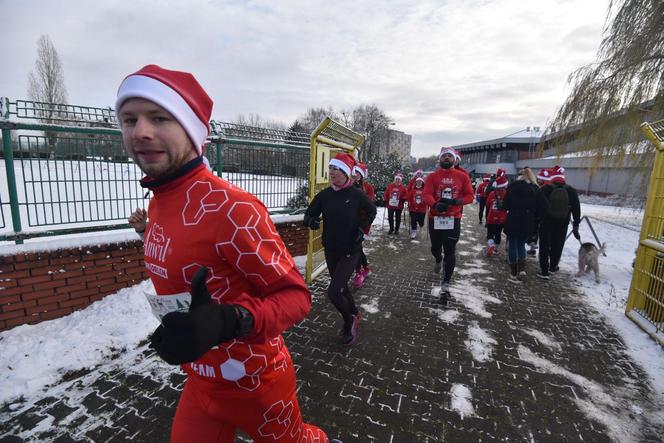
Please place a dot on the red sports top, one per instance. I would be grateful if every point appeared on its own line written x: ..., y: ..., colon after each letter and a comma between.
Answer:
x: 496, y: 216
x: 398, y: 192
x: 481, y: 189
x: 201, y: 220
x: 416, y: 200
x: 449, y: 183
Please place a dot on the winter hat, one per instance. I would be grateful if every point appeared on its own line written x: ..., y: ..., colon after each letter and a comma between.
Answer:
x: 558, y: 174
x: 544, y: 175
x: 398, y: 176
x: 501, y: 181
x: 447, y: 150
x: 500, y: 172
x: 486, y: 177
x: 345, y: 162
x: 419, y: 173
x: 361, y: 169
x: 418, y: 180
x: 177, y: 92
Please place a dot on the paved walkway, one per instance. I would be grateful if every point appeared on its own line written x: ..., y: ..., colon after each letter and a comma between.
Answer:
x: 506, y: 362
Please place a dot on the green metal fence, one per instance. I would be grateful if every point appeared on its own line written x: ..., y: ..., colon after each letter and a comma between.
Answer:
x: 67, y: 171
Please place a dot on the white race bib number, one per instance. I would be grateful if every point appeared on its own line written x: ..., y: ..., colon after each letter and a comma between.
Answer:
x: 394, y: 201
x: 443, y: 223
x: 163, y: 304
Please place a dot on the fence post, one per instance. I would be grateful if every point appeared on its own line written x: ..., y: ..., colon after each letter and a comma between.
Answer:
x: 11, y: 181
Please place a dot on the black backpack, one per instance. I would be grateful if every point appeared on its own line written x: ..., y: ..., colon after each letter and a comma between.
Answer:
x: 559, y: 202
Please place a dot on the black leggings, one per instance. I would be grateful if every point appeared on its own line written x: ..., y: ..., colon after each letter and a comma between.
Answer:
x: 482, y: 206
x: 362, y: 262
x: 551, y: 242
x: 494, y: 232
x: 390, y: 218
x: 444, y: 242
x: 340, y: 267
x: 416, y: 218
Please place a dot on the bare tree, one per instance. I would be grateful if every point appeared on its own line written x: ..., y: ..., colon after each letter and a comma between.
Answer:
x: 312, y: 118
x: 610, y: 98
x: 259, y: 122
x: 370, y: 121
x: 46, y: 85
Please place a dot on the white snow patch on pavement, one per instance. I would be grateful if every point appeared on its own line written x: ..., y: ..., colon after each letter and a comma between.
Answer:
x: 610, y: 409
x: 544, y: 339
x: 461, y: 400
x: 371, y: 307
x: 479, y: 343
x: 473, y: 298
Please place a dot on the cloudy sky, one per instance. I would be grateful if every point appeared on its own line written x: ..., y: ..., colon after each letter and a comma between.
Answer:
x: 446, y: 71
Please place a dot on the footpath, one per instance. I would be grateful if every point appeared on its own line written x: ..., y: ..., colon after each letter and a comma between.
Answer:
x: 505, y: 362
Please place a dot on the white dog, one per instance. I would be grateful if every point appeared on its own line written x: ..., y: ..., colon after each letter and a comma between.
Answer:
x: 589, y: 259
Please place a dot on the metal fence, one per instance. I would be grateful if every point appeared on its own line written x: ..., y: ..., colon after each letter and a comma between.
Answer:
x: 645, y: 305
x: 67, y: 171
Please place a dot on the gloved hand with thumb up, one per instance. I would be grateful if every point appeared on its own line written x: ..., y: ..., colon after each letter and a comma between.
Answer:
x: 184, y: 337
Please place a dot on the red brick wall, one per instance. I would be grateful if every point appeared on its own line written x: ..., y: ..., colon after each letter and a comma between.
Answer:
x: 51, y: 284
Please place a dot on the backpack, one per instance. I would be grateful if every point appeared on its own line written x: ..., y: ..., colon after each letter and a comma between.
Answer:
x: 559, y: 202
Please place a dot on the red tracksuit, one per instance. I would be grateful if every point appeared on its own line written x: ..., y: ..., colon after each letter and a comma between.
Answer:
x: 201, y: 220
x: 395, y: 193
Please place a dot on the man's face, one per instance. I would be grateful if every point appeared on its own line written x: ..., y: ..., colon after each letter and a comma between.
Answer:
x: 447, y: 160
x: 337, y: 177
x: 357, y: 177
x: 153, y: 138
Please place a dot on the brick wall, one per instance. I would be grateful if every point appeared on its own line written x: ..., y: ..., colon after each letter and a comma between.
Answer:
x: 51, y: 284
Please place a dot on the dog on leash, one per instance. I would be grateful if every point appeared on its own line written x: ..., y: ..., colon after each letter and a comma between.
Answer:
x: 589, y: 259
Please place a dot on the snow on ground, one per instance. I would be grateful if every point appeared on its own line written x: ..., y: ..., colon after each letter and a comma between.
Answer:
x: 461, y: 400
x: 35, y: 356
x: 479, y: 343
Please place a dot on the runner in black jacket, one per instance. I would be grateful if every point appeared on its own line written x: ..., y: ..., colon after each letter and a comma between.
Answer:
x: 340, y: 205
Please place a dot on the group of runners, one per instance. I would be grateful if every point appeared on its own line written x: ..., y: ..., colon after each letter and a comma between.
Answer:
x: 226, y: 286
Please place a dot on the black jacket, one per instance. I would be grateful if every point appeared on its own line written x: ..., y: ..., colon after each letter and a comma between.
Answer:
x: 342, y: 223
x: 524, y: 203
x: 574, y: 204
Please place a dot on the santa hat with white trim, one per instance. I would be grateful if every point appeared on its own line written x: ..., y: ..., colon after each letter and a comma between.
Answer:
x: 361, y: 169
x: 447, y: 150
x: 544, y: 175
x: 558, y: 174
x: 398, y: 176
x: 345, y: 162
x: 177, y: 92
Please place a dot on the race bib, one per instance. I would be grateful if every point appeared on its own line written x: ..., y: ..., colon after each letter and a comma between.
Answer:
x: 394, y: 201
x: 443, y: 223
x: 163, y: 304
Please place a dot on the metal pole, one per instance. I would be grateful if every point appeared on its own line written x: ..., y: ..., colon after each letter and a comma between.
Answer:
x: 11, y: 181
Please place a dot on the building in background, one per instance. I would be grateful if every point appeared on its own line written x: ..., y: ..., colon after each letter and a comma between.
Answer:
x: 390, y: 141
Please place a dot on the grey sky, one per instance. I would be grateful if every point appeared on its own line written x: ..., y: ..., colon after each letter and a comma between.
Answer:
x: 447, y: 72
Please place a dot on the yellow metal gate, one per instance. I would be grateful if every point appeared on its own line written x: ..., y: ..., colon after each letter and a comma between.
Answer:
x: 329, y: 138
x: 645, y: 305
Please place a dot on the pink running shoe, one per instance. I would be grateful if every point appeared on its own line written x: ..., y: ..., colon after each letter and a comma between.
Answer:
x: 358, y: 280
x: 366, y: 271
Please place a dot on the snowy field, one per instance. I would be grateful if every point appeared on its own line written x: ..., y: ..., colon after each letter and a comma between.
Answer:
x: 61, y: 194
x: 36, y: 356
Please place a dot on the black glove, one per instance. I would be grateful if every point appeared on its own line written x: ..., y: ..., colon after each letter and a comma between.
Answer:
x: 451, y: 201
x: 312, y: 222
x: 184, y: 337
x: 359, y: 236
x: 441, y: 206
x: 575, y: 232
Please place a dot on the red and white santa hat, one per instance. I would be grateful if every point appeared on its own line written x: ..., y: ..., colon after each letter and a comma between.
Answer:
x: 558, y: 174
x: 345, y: 162
x: 544, y: 175
x: 447, y: 150
x: 419, y: 180
x: 486, y: 177
x: 361, y: 168
x: 398, y: 176
x: 501, y: 182
x: 177, y: 92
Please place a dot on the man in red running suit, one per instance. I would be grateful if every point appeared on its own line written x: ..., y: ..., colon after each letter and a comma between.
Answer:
x: 210, y: 239
x: 446, y: 190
